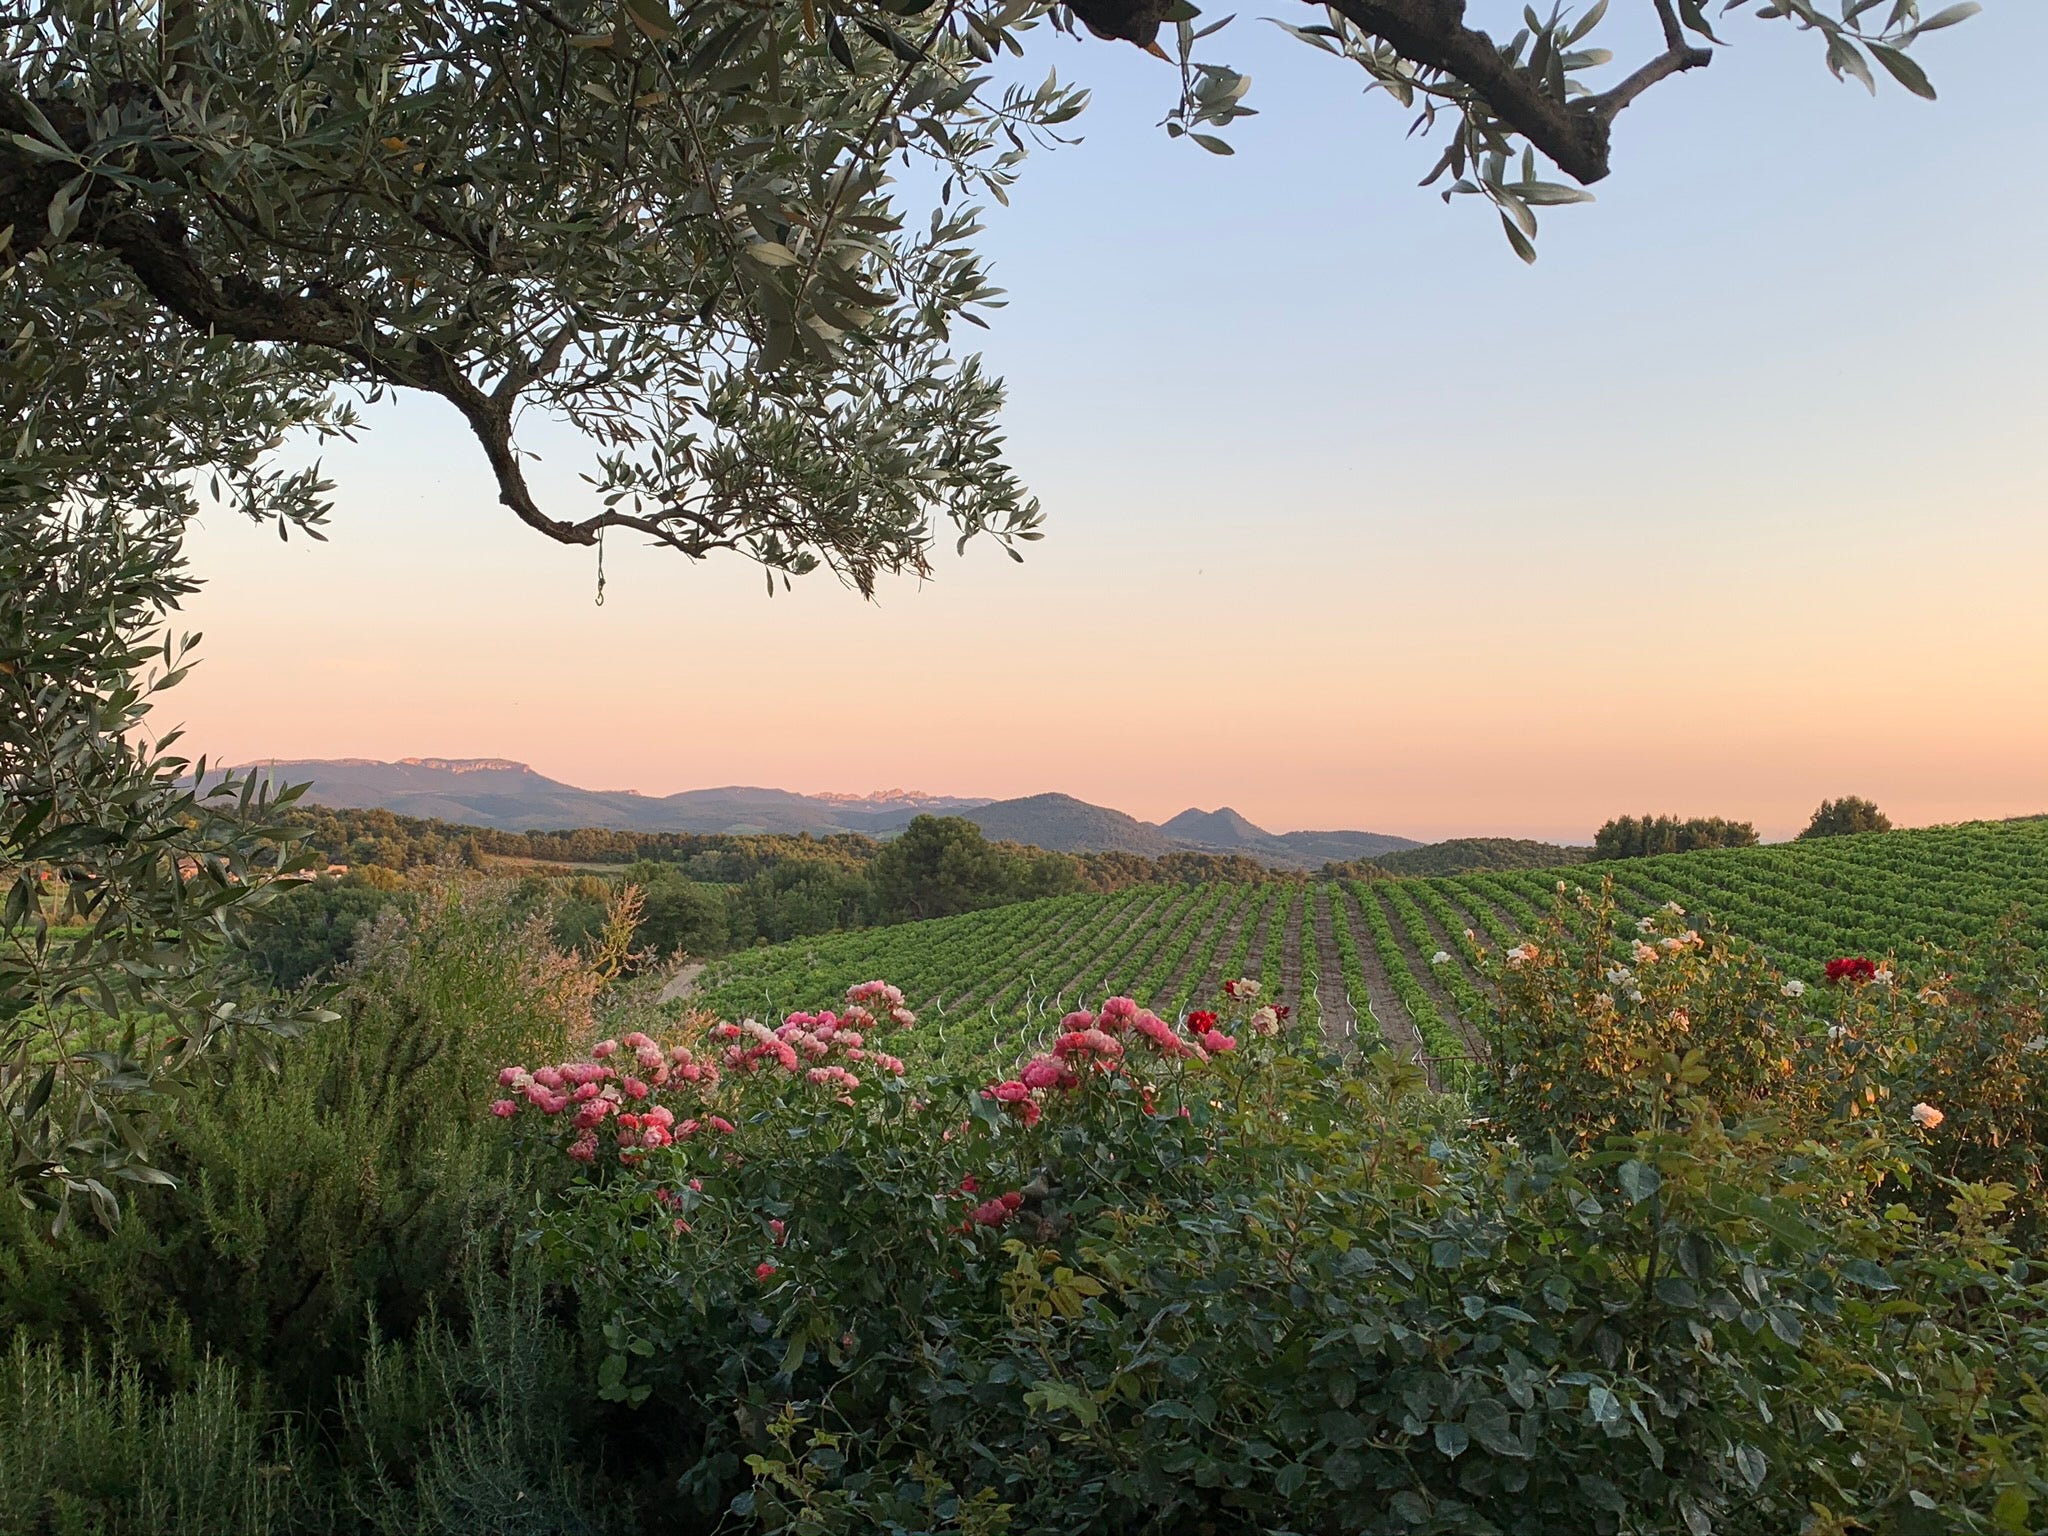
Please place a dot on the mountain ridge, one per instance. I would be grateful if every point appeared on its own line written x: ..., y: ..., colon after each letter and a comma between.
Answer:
x: 511, y: 796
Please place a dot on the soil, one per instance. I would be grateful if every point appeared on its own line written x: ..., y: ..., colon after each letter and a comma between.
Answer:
x: 1469, y: 1028
x: 1051, y: 941
x: 682, y: 984
x: 1210, y: 984
x: 1340, y: 1022
x: 1433, y: 989
x: 1289, y: 988
x: 1171, y: 987
x: 1395, y: 1026
x: 1084, y: 980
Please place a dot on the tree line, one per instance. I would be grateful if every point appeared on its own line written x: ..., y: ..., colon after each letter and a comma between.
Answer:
x: 702, y: 894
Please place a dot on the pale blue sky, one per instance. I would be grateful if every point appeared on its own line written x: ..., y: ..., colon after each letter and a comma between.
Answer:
x: 1734, y: 500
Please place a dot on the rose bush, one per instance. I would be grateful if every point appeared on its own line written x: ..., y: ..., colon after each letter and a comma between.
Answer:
x: 1696, y: 1267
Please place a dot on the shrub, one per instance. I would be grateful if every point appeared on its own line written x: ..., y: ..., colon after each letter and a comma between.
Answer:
x: 309, y: 932
x: 1142, y: 1287
x: 1851, y: 813
x: 94, y: 1449
x: 1635, y: 837
x: 356, y: 1174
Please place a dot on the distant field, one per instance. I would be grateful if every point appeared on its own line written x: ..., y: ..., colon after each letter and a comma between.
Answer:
x: 1353, y: 957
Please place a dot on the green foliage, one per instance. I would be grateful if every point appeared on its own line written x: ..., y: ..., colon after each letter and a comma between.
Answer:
x: 1596, y: 1004
x: 1635, y: 837
x: 1458, y: 854
x: 942, y: 865
x: 476, y: 1429
x: 93, y: 1450
x: 356, y: 836
x: 352, y: 1175
x: 1848, y: 815
x: 1693, y: 1264
x: 677, y: 915
x: 460, y: 1429
x: 154, y: 859
x: 310, y: 931
x: 323, y: 1327
x: 458, y: 200
x: 1720, y: 1300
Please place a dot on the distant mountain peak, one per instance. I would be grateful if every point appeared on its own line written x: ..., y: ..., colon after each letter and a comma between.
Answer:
x: 1222, y: 825
x: 456, y: 764
x: 894, y: 797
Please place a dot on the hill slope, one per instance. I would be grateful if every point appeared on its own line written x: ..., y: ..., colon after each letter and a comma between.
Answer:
x: 509, y: 796
x: 1458, y: 854
x: 1067, y: 825
x: 1360, y: 957
x: 1226, y: 831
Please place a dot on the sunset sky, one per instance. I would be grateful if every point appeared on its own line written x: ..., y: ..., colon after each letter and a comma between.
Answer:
x: 1737, y: 499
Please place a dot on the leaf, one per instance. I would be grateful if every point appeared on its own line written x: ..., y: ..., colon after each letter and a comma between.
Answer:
x: 1518, y: 240
x: 1586, y: 23
x: 140, y: 1173
x: 64, y: 211
x: 1341, y: 1428
x: 768, y: 253
x: 651, y: 17
x: 1211, y: 143
x: 835, y: 41
x: 1639, y: 1180
x: 1903, y: 69
x: 1452, y: 1439
x: 39, y: 1095
x: 2009, y: 1511
x: 1948, y: 17
x: 892, y: 40
x: 1544, y: 194
x: 1491, y: 1426
x: 1752, y: 1464
x: 1843, y: 59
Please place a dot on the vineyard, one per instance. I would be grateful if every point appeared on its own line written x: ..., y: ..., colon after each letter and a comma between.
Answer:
x: 1396, y: 960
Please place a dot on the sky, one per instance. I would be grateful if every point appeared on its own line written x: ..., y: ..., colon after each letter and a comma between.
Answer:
x: 1734, y: 501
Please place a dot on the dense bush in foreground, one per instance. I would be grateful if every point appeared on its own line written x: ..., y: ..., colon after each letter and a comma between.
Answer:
x: 1718, y: 1252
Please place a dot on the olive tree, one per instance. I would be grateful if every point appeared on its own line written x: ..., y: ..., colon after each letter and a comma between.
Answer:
x: 673, y: 226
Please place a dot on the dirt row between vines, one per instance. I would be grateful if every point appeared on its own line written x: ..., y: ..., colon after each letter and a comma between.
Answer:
x: 1106, y: 961
x: 1182, y: 945
x: 1231, y: 907
x: 1210, y: 984
x: 1289, y: 986
x: 1396, y: 1028
x: 1340, y: 1019
x: 1053, y: 936
x: 1472, y: 1029
x: 1425, y: 976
